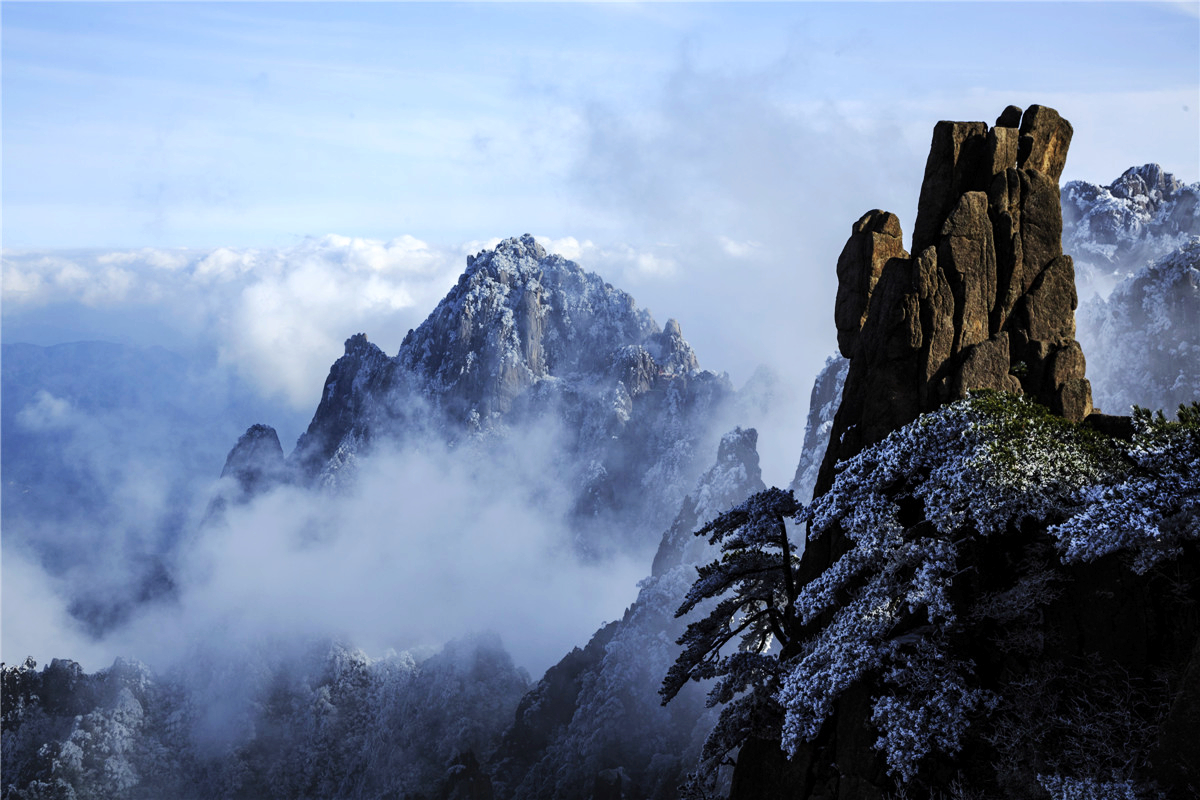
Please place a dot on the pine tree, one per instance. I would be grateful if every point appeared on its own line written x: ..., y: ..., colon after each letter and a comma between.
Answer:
x: 754, y: 586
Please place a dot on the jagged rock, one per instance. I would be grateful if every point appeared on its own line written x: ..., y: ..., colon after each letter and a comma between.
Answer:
x: 527, y: 338
x: 822, y: 406
x: 1144, y: 338
x: 958, y: 152
x: 987, y: 302
x: 737, y: 467
x: 1010, y: 117
x: 876, y: 238
x: 344, y: 405
x: 1113, y: 231
x: 595, y: 724
x: 256, y: 462
x: 1045, y: 137
x: 672, y: 352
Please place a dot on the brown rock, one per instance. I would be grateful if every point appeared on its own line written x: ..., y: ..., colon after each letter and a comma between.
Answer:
x: 1002, y: 149
x: 956, y: 163
x: 986, y: 366
x: 1066, y: 364
x: 1049, y: 136
x: 874, y: 239
x: 967, y: 257
x: 1073, y: 400
x: 1047, y: 310
x: 937, y: 324
x: 1009, y: 117
x: 989, y: 301
x: 1040, y: 226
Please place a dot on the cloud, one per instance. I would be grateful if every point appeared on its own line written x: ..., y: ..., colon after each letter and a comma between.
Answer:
x: 45, y: 413
x: 277, y: 316
x: 426, y: 545
x: 35, y: 620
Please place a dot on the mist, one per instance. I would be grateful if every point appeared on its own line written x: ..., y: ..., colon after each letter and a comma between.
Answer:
x: 424, y: 545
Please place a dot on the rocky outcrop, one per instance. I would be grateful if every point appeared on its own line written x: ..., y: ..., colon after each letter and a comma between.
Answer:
x: 345, y: 408
x: 595, y: 726
x: 822, y: 408
x: 528, y: 339
x: 986, y: 299
x: 256, y: 462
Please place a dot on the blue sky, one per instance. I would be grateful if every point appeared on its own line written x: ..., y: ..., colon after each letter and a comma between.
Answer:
x: 237, y: 124
x: 345, y: 158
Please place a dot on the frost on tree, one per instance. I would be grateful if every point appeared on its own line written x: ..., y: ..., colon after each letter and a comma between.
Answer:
x: 968, y: 529
x: 753, y: 583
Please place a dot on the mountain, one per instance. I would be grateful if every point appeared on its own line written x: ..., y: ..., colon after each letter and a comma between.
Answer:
x: 1115, y: 230
x: 595, y: 724
x: 108, y: 451
x: 1144, y: 338
x: 982, y: 608
x: 330, y: 722
x: 531, y: 339
x: 822, y: 408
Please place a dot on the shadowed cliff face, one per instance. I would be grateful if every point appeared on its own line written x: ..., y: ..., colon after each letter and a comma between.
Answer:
x: 987, y: 298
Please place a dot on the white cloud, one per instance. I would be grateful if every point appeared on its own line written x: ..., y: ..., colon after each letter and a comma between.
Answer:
x: 738, y: 249
x: 427, y: 545
x: 45, y: 413
x: 278, y: 316
x: 35, y: 621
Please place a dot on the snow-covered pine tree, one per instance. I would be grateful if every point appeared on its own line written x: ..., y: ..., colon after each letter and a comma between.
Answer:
x: 754, y: 585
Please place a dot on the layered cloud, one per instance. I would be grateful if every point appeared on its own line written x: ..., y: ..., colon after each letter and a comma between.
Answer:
x: 277, y: 316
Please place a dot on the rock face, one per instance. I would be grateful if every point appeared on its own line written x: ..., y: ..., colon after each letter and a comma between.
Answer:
x: 822, y: 408
x: 256, y: 461
x: 1144, y: 338
x: 1117, y: 229
x: 987, y: 298
x: 595, y: 726
x: 527, y: 338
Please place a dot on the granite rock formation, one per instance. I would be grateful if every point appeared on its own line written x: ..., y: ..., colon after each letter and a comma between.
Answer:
x: 256, y: 462
x: 985, y: 300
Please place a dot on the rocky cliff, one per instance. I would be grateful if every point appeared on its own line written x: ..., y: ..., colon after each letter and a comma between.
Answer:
x: 987, y: 299
x: 1144, y: 338
x: 1115, y: 230
x: 594, y: 726
x: 993, y: 588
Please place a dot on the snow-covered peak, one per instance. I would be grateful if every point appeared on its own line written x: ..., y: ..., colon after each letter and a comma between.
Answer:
x: 1143, y: 341
x: 1112, y: 231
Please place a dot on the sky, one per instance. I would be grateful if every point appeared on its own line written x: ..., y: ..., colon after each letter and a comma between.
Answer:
x: 708, y: 158
x: 257, y: 182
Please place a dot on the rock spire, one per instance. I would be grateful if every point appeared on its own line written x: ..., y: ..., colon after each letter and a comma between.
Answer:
x: 985, y: 300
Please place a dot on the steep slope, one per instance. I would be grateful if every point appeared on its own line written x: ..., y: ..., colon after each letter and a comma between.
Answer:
x: 594, y: 725
x: 986, y: 301
x: 822, y: 408
x: 1144, y: 338
x: 1115, y: 230
x: 993, y: 587
x: 531, y: 339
